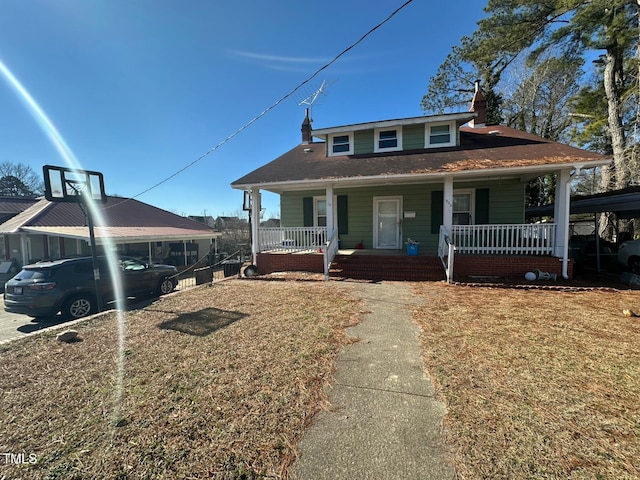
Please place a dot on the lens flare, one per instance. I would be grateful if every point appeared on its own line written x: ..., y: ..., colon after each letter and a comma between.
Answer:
x: 49, y: 129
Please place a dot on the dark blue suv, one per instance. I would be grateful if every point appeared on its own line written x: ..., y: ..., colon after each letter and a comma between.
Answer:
x: 68, y: 285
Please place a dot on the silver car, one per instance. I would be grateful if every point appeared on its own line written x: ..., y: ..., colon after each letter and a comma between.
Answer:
x: 629, y: 255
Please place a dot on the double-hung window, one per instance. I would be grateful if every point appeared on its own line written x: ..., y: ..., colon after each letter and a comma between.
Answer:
x: 320, y: 212
x: 341, y: 144
x: 440, y: 135
x: 463, y: 207
x: 388, y: 139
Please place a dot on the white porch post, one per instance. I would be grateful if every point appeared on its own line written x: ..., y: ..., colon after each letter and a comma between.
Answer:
x: 330, y: 220
x: 561, y: 216
x: 447, y: 204
x: 255, y: 224
x: 24, y: 247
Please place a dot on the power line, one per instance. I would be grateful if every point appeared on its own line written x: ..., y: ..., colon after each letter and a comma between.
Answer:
x: 275, y: 104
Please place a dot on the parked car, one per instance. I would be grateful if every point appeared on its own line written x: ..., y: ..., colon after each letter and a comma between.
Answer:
x: 68, y: 286
x: 8, y: 269
x: 629, y: 255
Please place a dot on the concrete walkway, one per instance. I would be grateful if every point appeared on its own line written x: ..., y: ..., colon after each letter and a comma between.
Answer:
x: 383, y: 421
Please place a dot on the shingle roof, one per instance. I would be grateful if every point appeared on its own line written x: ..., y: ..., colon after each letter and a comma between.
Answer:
x: 480, y: 149
x: 118, y: 218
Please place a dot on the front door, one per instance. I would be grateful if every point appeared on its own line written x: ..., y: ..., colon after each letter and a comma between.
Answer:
x: 386, y: 222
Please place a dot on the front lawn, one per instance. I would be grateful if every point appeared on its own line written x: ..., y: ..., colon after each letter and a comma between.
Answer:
x: 217, y: 382
x: 538, y: 384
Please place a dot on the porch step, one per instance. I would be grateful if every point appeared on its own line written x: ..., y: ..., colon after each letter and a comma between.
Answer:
x: 387, y: 267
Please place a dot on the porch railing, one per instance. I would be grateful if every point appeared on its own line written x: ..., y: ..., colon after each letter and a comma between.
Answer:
x: 291, y: 239
x: 446, y: 252
x: 509, y: 239
x: 330, y: 253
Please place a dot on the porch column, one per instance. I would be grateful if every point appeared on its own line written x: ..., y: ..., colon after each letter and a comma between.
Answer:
x: 447, y: 204
x: 24, y: 247
x: 330, y: 220
x: 255, y: 225
x: 561, y: 211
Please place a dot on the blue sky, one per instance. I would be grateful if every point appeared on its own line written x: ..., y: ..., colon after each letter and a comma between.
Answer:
x: 139, y: 89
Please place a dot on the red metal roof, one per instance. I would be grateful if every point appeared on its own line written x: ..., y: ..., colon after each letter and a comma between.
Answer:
x: 118, y: 218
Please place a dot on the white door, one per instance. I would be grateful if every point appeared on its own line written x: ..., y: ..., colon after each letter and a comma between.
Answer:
x: 386, y: 222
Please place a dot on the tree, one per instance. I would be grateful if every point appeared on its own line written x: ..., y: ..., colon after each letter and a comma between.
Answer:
x: 570, y: 29
x: 19, y: 180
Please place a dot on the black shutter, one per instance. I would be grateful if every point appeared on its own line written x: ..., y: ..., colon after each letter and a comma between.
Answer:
x: 437, y: 203
x: 482, y: 206
x: 343, y: 217
x: 307, y: 211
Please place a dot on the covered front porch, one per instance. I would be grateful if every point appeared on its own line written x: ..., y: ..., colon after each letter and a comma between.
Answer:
x: 501, y: 251
x: 387, y: 217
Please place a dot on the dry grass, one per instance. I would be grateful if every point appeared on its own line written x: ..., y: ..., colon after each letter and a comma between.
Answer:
x: 219, y: 383
x: 538, y: 384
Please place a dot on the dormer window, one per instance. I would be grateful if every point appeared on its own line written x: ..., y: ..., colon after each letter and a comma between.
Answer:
x: 341, y: 144
x: 388, y: 139
x: 440, y: 135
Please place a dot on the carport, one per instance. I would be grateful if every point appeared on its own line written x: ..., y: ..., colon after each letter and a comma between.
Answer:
x: 623, y: 203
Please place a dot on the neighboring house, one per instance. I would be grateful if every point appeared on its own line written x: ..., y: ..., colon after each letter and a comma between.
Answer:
x: 449, y: 182
x: 208, y: 220
x: 37, y: 229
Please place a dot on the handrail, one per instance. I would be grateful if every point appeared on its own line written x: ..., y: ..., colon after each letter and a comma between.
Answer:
x: 330, y: 251
x: 446, y: 252
x: 506, y: 239
x: 291, y: 238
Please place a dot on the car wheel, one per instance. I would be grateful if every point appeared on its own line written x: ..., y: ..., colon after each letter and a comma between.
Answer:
x: 634, y: 265
x: 166, y: 285
x: 78, y: 307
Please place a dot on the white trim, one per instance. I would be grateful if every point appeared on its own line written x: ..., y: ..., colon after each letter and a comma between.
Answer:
x: 330, y: 145
x: 315, y: 209
x: 376, y: 140
x: 472, y: 203
x: 399, y: 198
x: 460, y: 118
x: 453, y: 135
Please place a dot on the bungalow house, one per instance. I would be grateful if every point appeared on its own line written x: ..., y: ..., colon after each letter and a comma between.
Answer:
x: 445, y: 187
x: 35, y: 229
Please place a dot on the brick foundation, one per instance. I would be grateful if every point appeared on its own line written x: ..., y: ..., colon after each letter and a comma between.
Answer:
x: 290, y: 262
x: 506, y: 266
x: 414, y: 268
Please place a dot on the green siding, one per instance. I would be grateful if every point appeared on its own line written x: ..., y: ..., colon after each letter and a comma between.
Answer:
x: 363, y: 142
x: 412, y: 137
x: 506, y: 205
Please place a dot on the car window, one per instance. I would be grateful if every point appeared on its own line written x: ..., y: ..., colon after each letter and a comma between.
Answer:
x: 34, y: 274
x: 130, y: 264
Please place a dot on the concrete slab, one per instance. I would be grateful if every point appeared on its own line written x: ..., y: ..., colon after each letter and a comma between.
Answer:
x: 383, y: 421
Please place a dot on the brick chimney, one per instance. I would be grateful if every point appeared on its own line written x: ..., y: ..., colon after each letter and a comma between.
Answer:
x: 478, y: 105
x: 306, y: 128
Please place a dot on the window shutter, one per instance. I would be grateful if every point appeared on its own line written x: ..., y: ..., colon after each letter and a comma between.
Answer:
x: 343, y: 218
x: 437, y: 203
x: 482, y: 206
x: 307, y: 211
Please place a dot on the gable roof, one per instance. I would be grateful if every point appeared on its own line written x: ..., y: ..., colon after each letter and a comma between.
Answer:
x: 122, y: 220
x: 485, y: 151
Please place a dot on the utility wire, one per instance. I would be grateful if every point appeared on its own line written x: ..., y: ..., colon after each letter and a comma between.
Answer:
x: 274, y: 105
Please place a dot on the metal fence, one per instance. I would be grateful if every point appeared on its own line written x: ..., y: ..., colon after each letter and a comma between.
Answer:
x: 199, y: 275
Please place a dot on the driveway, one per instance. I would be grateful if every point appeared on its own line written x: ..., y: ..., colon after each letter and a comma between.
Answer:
x: 14, y: 325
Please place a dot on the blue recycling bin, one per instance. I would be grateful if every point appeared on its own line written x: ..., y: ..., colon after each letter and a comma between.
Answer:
x: 412, y: 249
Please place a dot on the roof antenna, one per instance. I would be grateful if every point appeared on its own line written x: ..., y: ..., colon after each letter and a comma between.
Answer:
x: 311, y: 99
